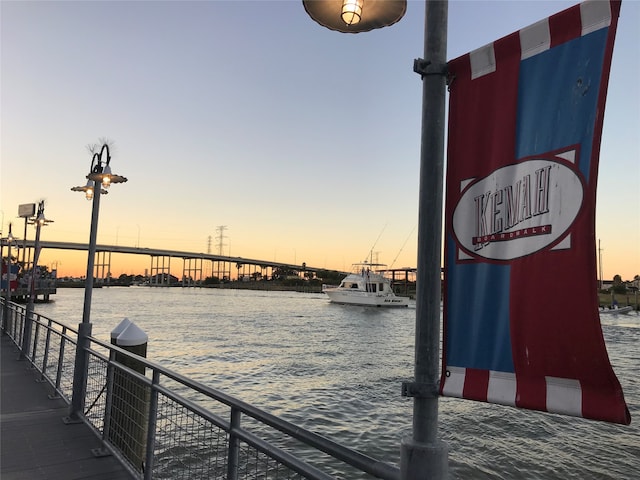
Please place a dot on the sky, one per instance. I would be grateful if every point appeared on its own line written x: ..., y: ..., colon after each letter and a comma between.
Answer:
x: 304, y: 143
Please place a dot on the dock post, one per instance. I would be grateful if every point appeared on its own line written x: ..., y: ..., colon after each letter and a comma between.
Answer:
x: 130, y: 396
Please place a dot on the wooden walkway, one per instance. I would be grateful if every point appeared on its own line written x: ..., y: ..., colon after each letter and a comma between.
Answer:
x: 34, y: 442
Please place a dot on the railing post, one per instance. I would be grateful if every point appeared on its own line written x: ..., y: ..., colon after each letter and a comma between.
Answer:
x: 3, y: 310
x: 18, y: 320
x: 234, y: 445
x: 34, y: 343
x: 80, y: 374
x: 45, y: 356
x: 63, y: 341
x: 152, y: 423
x: 106, y: 426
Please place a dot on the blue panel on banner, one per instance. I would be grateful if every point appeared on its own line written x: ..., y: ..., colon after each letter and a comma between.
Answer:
x: 482, y: 340
x: 558, y: 96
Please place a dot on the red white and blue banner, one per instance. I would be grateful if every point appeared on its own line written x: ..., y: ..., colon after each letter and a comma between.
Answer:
x: 525, y: 121
x: 13, y: 276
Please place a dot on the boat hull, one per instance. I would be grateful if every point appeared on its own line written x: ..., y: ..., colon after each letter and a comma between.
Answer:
x: 366, y: 299
x: 617, y: 311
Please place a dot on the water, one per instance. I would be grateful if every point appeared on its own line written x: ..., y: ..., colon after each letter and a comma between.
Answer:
x: 337, y: 370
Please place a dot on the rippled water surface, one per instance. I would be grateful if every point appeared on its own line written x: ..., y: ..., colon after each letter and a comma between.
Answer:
x: 337, y: 370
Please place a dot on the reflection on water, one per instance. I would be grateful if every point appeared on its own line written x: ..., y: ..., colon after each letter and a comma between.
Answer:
x: 337, y: 370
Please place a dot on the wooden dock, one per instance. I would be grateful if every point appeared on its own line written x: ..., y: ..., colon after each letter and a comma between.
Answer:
x: 35, y: 444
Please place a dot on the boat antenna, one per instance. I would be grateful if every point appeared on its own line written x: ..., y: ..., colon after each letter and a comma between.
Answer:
x: 370, y: 254
x: 402, y: 248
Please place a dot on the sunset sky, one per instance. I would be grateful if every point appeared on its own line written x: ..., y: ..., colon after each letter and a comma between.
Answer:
x: 303, y: 142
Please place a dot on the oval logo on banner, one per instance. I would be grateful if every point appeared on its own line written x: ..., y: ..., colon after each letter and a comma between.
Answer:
x: 518, y: 209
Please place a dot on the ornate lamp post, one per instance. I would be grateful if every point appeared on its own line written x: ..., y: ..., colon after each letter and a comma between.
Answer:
x: 423, y: 455
x: 99, y: 178
x: 39, y: 221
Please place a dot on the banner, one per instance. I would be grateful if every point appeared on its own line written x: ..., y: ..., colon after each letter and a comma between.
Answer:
x: 13, y: 276
x: 521, y: 323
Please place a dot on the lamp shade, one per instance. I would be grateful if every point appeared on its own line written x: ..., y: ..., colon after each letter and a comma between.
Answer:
x: 375, y: 14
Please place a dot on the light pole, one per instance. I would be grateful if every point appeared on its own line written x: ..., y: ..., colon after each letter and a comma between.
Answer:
x: 5, y: 310
x: 99, y: 176
x: 39, y: 221
x: 423, y: 455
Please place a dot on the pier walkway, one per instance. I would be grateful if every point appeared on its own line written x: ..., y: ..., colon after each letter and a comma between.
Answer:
x: 34, y: 442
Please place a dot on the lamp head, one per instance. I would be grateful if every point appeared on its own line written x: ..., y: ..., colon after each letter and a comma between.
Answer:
x: 88, y: 190
x: 355, y: 16
x: 101, y: 171
x: 351, y: 11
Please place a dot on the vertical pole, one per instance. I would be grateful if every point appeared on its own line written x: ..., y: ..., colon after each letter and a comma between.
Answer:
x: 152, y: 423
x: 28, y: 321
x: 24, y: 244
x: 5, y: 315
x: 234, y: 445
x: 424, y: 455
x: 84, y: 328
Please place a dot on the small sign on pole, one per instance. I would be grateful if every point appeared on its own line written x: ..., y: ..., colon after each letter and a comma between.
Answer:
x: 26, y: 210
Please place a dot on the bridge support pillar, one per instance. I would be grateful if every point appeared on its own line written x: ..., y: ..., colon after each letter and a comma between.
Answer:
x: 160, y: 274
x: 191, y: 274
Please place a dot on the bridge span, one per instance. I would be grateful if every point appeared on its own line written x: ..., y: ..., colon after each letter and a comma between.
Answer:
x: 160, y: 266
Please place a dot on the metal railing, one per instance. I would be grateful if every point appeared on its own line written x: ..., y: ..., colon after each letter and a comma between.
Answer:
x: 162, y: 425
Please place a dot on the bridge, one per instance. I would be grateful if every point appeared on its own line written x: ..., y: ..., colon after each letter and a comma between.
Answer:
x: 160, y: 266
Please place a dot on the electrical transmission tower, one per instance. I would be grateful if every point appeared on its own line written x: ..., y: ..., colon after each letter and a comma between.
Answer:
x: 220, y: 239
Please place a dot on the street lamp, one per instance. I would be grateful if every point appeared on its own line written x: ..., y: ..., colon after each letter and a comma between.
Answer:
x: 99, y: 178
x: 355, y: 16
x: 39, y: 221
x: 423, y: 455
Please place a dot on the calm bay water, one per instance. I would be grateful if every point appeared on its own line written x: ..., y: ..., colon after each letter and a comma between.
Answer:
x: 337, y: 370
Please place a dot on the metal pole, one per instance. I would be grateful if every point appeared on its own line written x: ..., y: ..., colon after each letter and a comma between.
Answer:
x: 4, y: 315
x: 8, y: 291
x: 424, y: 455
x: 24, y: 245
x: 28, y: 321
x: 84, y: 328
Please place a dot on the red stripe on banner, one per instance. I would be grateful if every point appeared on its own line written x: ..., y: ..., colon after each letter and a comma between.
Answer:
x: 476, y: 384
x: 531, y: 393
x: 564, y: 27
x: 486, y: 149
x: 598, y: 402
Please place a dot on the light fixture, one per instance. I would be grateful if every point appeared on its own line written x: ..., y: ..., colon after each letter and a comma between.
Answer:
x: 106, y: 176
x: 39, y: 219
x: 101, y: 172
x: 355, y: 16
x: 351, y: 11
x: 88, y: 190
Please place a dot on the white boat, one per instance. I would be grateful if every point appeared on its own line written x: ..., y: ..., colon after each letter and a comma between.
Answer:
x: 365, y: 287
x: 617, y: 310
